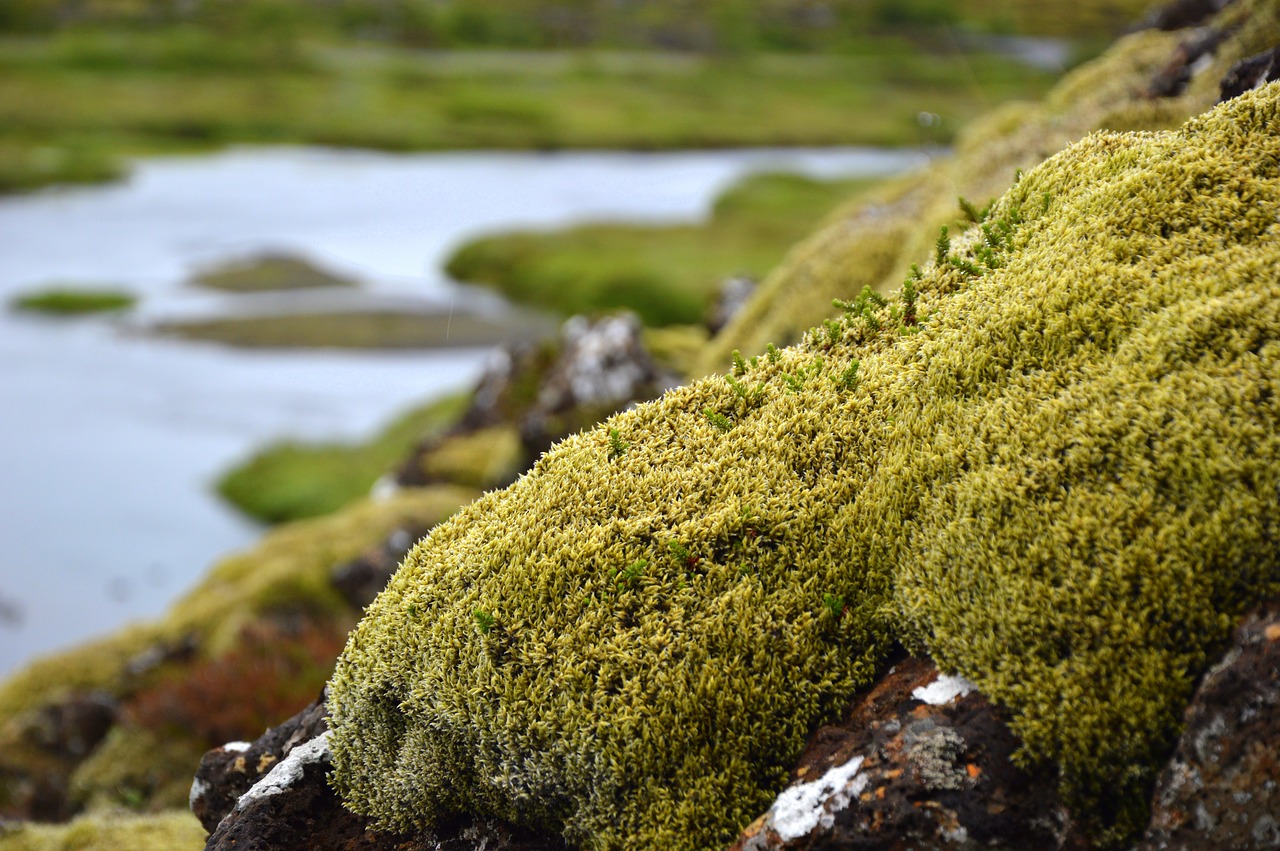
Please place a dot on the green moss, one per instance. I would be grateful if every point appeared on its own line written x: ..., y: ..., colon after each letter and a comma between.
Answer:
x: 136, y: 768
x: 291, y: 481
x: 66, y: 301
x: 1061, y: 481
x: 669, y: 274
x: 174, y: 830
x: 483, y: 459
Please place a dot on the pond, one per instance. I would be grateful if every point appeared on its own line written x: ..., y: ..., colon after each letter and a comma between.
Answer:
x: 109, y: 440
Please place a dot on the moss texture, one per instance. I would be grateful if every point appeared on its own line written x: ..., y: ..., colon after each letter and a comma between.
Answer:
x: 1053, y: 464
x: 874, y: 240
x: 175, y: 830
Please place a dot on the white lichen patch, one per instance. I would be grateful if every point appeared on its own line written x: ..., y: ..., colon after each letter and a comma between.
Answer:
x: 943, y: 690
x: 289, y: 771
x: 198, y: 790
x: 236, y: 747
x: 806, y: 806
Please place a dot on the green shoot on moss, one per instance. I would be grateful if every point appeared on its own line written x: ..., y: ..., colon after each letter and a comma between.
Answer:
x: 942, y: 248
x: 631, y: 574
x: 484, y: 621
x: 849, y: 378
x: 717, y: 419
x: 834, y: 604
x: 772, y: 351
x: 739, y: 364
x: 617, y: 446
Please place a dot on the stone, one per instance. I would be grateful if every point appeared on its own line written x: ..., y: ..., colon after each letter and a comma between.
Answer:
x: 1221, y: 790
x: 920, y: 761
x: 359, y: 581
x: 273, y: 795
x: 1180, y: 14
x: 1193, y: 55
x: 734, y: 293
x: 1251, y: 73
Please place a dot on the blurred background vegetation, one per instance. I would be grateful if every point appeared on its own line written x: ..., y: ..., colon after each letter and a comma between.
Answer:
x: 84, y: 83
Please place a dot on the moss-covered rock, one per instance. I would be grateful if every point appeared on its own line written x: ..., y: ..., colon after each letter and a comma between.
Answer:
x: 1052, y: 462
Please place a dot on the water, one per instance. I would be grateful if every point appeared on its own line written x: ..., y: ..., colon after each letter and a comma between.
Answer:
x: 109, y: 441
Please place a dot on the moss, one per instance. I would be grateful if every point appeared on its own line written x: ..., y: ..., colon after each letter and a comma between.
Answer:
x: 291, y: 481
x: 269, y: 272
x: 874, y: 241
x: 487, y: 458
x: 137, y: 768
x: 1061, y: 480
x: 174, y: 830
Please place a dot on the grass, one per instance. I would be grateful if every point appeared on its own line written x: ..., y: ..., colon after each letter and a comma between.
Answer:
x: 270, y: 272
x: 667, y: 274
x: 73, y: 105
x: 357, y: 330
x: 290, y: 481
x: 69, y: 301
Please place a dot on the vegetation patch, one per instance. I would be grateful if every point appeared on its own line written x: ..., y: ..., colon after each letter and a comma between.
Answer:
x: 291, y: 481
x: 360, y: 330
x: 74, y: 301
x: 668, y: 275
x: 1055, y: 468
x: 174, y: 830
x: 269, y: 273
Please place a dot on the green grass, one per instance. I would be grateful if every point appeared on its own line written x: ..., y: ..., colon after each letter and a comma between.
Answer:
x: 290, y: 481
x: 68, y: 301
x: 73, y: 105
x: 667, y: 274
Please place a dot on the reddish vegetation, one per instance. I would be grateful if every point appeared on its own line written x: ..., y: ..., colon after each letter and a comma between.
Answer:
x: 274, y: 670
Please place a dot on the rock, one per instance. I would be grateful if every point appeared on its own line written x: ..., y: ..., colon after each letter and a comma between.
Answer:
x: 1221, y: 790
x: 734, y: 293
x: 41, y: 750
x: 547, y: 391
x: 920, y: 761
x: 227, y: 773
x: 360, y: 581
x: 1192, y: 56
x: 274, y: 795
x: 1181, y: 14
x: 602, y: 368
x: 1251, y: 73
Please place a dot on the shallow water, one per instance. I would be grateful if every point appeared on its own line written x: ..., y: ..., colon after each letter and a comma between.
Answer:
x: 109, y: 441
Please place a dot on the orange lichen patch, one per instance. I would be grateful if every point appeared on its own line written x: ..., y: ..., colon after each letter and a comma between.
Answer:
x: 1272, y: 632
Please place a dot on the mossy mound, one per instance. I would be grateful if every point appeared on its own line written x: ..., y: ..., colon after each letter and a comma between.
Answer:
x: 1051, y: 461
x: 874, y: 240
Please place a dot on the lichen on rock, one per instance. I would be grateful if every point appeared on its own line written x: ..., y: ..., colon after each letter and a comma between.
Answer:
x: 1053, y: 466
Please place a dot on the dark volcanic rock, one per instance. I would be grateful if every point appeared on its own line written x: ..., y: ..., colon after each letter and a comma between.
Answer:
x: 1250, y: 73
x: 1221, y: 791
x: 274, y: 795
x: 920, y: 762
x: 1192, y: 55
x: 361, y: 580
x: 1181, y: 14
x: 226, y: 773
x: 40, y: 750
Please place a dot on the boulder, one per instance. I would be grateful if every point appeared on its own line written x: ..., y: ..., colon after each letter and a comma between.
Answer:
x: 920, y: 761
x: 274, y: 795
x: 1221, y: 790
x: 1250, y: 73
